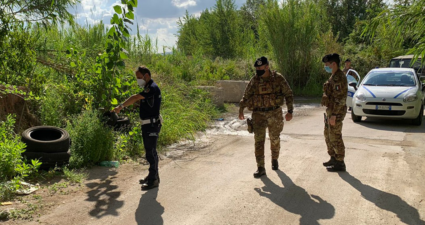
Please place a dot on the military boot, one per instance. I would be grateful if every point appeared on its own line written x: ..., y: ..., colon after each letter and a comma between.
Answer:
x: 338, y: 166
x: 260, y: 172
x: 275, y: 164
x: 331, y: 162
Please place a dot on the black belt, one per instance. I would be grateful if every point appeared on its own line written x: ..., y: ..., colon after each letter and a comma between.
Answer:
x: 266, y: 109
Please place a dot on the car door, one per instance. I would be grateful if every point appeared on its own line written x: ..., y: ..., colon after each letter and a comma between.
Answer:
x: 352, y: 90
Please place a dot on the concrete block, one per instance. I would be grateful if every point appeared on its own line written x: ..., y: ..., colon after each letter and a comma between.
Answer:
x: 231, y: 90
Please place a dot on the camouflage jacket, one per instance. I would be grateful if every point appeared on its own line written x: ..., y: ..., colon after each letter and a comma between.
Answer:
x: 267, y: 92
x: 335, y: 93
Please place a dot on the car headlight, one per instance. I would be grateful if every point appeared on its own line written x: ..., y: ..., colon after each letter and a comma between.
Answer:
x: 410, y: 97
x: 361, y: 97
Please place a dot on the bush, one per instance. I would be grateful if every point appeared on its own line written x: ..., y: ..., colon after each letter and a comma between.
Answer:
x: 92, y: 142
x: 11, y: 148
x: 58, y: 103
x: 12, y: 165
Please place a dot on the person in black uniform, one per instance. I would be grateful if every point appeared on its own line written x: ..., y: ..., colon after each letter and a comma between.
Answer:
x: 150, y: 104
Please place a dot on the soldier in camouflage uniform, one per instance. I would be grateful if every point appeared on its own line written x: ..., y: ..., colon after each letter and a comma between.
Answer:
x: 334, y: 98
x: 264, y: 95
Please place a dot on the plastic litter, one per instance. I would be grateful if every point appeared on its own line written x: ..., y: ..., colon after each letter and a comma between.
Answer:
x: 6, y: 203
x: 110, y: 164
x: 25, y: 188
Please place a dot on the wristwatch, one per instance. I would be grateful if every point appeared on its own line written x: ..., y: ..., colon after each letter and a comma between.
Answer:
x: 291, y: 111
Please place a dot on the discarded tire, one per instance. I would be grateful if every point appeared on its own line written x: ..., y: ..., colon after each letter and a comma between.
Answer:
x: 49, y: 160
x: 123, y: 124
x: 46, y: 139
x: 118, y: 123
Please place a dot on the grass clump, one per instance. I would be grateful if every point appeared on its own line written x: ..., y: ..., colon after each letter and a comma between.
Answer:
x: 74, y: 176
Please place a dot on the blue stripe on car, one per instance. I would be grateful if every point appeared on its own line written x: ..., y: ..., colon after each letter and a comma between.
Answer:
x: 369, y: 91
x: 350, y: 94
x: 403, y: 92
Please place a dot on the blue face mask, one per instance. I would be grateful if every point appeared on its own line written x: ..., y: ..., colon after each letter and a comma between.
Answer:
x: 328, y: 69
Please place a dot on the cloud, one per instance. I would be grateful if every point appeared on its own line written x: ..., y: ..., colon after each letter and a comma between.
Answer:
x: 158, y: 18
x: 183, y: 4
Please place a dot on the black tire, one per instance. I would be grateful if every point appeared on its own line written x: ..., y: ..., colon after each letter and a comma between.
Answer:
x: 48, y: 157
x: 46, y: 139
x: 123, y: 124
x: 47, y: 166
x: 418, y: 120
x: 355, y: 118
x: 49, y: 160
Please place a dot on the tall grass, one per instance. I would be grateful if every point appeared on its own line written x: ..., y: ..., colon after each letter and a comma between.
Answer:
x: 292, y: 28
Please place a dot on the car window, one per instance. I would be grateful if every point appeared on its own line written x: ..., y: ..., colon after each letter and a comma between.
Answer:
x: 351, y: 79
x: 390, y: 78
x: 405, y: 63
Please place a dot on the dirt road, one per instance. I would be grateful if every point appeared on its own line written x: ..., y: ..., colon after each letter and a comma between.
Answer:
x: 211, y: 182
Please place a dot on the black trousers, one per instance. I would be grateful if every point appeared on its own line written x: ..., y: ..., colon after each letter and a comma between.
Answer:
x: 150, y: 134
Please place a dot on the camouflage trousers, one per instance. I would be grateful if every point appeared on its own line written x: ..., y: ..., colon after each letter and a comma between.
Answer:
x: 333, y: 138
x: 273, y: 120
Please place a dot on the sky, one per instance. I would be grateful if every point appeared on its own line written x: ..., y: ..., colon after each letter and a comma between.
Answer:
x: 157, y: 18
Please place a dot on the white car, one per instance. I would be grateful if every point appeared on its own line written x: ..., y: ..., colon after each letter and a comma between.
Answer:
x: 389, y: 93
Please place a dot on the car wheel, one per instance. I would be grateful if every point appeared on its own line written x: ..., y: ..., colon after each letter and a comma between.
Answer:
x: 46, y: 139
x: 418, y: 120
x: 355, y: 118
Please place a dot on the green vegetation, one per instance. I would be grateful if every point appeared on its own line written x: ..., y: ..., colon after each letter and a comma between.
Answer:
x: 73, y: 70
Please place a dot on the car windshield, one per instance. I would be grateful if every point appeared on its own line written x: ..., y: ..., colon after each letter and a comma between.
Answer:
x: 390, y: 78
x: 405, y: 63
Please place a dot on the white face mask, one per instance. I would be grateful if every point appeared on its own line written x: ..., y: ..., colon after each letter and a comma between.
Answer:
x: 141, y: 83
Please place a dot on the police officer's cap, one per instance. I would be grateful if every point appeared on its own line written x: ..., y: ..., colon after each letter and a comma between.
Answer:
x: 261, y: 61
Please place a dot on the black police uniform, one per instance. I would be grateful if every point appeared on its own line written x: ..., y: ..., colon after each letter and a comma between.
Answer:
x: 149, y: 110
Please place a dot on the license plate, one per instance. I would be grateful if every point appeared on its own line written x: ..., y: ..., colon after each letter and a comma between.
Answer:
x: 383, y: 107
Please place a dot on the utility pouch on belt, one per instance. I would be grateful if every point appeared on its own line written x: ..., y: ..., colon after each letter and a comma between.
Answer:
x: 250, y: 125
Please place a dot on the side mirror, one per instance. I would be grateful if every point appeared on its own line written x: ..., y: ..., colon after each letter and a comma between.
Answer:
x: 353, y: 84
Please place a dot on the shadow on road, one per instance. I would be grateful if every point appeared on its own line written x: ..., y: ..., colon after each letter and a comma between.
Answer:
x: 150, y: 210
x: 295, y: 199
x: 396, y: 125
x: 384, y: 200
x: 102, y: 192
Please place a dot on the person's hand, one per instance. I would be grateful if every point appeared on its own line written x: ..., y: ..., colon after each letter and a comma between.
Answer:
x: 241, y: 116
x: 332, y: 120
x: 288, y: 116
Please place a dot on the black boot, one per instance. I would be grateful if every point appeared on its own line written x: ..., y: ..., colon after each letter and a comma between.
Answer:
x: 331, y: 162
x: 144, y: 180
x: 338, y: 166
x: 275, y: 164
x: 260, y: 172
x: 150, y: 184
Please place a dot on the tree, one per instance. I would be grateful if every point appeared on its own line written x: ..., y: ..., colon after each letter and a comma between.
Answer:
x: 344, y: 14
x: 406, y: 24
x: 251, y: 14
x: 38, y: 11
